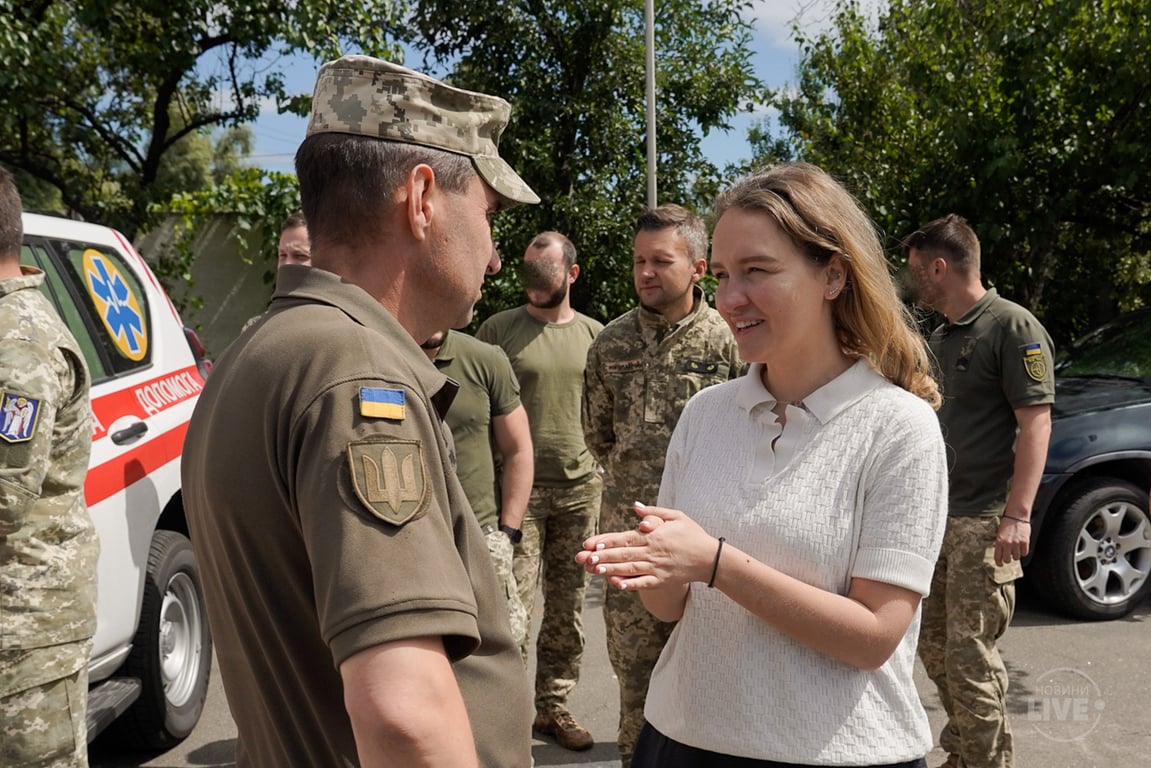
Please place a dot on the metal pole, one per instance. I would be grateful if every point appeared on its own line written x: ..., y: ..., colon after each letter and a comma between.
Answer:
x: 649, y: 42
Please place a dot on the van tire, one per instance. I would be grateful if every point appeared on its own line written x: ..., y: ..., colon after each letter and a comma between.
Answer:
x: 172, y: 650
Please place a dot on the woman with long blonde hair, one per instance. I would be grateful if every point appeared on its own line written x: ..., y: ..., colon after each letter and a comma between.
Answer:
x: 801, y: 508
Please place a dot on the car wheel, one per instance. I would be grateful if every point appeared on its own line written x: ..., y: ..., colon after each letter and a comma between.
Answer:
x: 172, y: 649
x: 1095, y: 562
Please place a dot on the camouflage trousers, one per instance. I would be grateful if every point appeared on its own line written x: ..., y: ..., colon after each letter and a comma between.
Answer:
x: 635, y: 638
x: 970, y: 606
x: 503, y: 553
x: 44, y: 726
x: 555, y: 526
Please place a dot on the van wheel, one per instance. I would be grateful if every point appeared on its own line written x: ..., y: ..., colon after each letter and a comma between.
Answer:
x: 172, y: 650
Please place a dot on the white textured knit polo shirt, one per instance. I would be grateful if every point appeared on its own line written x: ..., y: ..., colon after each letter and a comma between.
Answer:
x: 855, y: 487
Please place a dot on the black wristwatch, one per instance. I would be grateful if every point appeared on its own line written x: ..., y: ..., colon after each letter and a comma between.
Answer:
x: 515, y: 534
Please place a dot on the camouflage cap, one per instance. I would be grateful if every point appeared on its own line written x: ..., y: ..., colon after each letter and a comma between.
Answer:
x: 370, y: 97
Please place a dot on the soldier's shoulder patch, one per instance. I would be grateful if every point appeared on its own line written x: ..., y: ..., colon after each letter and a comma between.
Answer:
x: 389, y: 478
x: 383, y: 403
x: 1035, y: 361
x: 18, y: 417
x: 700, y: 366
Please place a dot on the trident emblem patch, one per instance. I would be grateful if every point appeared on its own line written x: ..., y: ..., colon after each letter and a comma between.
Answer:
x: 389, y: 478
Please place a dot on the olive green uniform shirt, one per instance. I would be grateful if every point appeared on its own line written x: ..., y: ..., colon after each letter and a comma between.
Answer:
x: 641, y: 371
x: 488, y: 389
x: 328, y: 520
x: 994, y: 359
x: 48, y: 545
x: 549, y: 359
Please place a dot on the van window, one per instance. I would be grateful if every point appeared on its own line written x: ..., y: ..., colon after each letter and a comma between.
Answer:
x: 115, y: 300
x: 56, y: 291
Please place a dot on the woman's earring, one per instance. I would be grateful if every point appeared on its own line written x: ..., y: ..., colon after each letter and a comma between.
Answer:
x: 832, y: 292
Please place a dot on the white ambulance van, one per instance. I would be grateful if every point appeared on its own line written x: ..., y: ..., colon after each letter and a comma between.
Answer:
x: 152, y: 651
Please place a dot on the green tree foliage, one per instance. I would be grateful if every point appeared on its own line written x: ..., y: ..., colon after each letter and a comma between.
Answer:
x: 256, y: 201
x: 1029, y: 117
x: 574, y: 73
x: 97, y: 92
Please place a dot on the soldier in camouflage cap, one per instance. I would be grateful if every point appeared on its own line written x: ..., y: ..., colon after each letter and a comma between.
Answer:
x: 641, y: 370
x: 369, y: 97
x: 48, y: 546
x: 358, y: 618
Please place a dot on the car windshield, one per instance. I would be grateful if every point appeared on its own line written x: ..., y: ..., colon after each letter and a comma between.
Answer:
x: 1121, y: 347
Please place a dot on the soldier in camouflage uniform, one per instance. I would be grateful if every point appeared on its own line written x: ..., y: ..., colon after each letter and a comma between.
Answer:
x: 486, y: 420
x: 48, y: 546
x: 994, y: 365
x: 640, y: 373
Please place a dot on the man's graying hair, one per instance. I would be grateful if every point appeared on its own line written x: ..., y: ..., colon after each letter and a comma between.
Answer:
x: 11, y: 223
x: 689, y: 226
x: 346, y: 182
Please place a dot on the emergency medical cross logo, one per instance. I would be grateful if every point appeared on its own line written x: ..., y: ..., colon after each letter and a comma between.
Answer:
x: 116, y: 304
x: 1035, y: 361
x: 389, y: 478
x: 18, y: 416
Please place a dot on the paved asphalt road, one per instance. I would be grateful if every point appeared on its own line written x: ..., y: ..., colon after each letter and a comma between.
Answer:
x: 1079, y: 698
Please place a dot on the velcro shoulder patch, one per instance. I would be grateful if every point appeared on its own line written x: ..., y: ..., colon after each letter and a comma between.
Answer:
x: 1035, y: 361
x: 383, y: 403
x: 389, y: 478
x: 18, y: 417
x: 700, y: 366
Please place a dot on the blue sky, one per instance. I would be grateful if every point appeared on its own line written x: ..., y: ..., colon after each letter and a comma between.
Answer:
x: 775, y: 58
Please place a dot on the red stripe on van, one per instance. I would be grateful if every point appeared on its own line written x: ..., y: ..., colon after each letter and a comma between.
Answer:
x: 113, y: 476
x: 145, y: 399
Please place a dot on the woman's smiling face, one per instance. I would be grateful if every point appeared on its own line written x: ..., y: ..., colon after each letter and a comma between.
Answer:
x: 771, y: 295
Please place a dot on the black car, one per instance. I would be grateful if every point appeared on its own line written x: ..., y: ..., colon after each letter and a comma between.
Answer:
x: 1091, y: 533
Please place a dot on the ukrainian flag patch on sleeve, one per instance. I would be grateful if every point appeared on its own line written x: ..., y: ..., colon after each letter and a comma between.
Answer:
x: 382, y: 403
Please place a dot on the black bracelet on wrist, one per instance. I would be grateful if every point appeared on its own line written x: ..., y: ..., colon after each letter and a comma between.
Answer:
x: 1017, y: 519
x: 715, y: 565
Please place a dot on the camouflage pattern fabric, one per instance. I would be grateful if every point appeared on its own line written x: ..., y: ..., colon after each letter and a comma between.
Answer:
x: 44, y: 725
x: 970, y: 606
x: 48, y: 546
x: 48, y: 568
x: 635, y: 640
x: 370, y: 97
x: 503, y: 555
x: 641, y: 372
x: 555, y: 526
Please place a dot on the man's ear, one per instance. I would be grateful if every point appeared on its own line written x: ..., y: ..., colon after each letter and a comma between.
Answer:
x: 573, y: 273
x: 698, y: 270
x: 420, y: 193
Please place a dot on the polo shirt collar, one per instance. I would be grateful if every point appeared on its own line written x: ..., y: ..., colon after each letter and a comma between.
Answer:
x: 824, y: 403
x: 299, y: 284
x: 978, y: 308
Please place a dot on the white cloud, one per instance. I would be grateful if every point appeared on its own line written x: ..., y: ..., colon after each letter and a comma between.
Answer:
x: 774, y: 18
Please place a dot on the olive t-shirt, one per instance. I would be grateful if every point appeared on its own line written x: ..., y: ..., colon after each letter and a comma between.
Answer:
x: 328, y: 520
x: 994, y: 359
x: 488, y: 389
x: 549, y: 360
